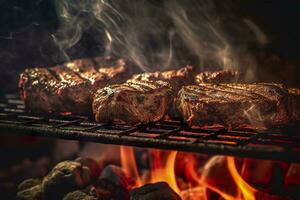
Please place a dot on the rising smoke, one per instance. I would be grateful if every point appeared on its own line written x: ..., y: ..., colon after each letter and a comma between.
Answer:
x: 163, y: 34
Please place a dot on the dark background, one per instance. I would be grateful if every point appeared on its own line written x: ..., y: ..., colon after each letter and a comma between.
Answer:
x: 26, y: 41
x: 26, y: 28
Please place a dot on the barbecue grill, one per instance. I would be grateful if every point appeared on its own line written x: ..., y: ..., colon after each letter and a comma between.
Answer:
x: 278, y: 144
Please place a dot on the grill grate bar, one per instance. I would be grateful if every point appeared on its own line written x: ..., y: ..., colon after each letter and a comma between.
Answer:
x: 279, y: 144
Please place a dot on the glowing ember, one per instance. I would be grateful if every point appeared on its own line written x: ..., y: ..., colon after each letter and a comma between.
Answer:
x: 198, y: 177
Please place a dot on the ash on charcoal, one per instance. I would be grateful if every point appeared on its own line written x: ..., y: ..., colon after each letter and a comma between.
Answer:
x: 78, y: 195
x: 33, y: 193
x: 160, y: 190
x: 65, y: 177
x: 28, y: 183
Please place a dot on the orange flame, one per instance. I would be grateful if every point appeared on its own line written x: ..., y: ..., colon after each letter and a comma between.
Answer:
x: 163, y: 168
x: 248, y: 192
x: 128, y: 163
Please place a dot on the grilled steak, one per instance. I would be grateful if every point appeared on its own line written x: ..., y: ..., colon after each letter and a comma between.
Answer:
x: 235, y: 105
x: 176, y: 78
x: 134, y: 102
x: 69, y: 87
x: 223, y: 76
x: 295, y: 103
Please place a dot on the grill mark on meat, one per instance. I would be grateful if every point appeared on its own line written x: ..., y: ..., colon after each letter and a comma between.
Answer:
x: 144, y: 85
x: 53, y: 75
x: 227, y: 88
x: 133, y: 102
x: 274, y: 88
x: 67, y: 75
x: 258, y: 105
x: 204, y: 89
x: 68, y: 87
x: 86, y: 69
x: 195, y: 92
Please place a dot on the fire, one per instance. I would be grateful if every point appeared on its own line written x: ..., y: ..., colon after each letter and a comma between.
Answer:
x: 129, y: 164
x: 184, y: 174
x: 163, y: 168
x: 247, y: 191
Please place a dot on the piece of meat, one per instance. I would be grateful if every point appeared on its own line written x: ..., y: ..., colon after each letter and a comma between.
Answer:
x: 260, y: 105
x: 134, y: 102
x: 87, y: 69
x: 176, y: 78
x: 295, y: 103
x: 68, y: 88
x: 223, y: 76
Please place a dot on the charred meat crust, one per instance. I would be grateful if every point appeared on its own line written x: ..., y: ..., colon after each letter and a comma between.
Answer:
x: 295, y: 103
x: 134, y: 102
x: 69, y: 87
x: 235, y: 105
x: 176, y: 78
x: 222, y: 76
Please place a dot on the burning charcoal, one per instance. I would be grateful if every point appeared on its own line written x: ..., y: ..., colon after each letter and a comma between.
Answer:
x: 28, y: 183
x: 160, y: 190
x: 78, y: 195
x: 113, y: 183
x: 65, y: 177
x: 92, y: 165
x: 33, y: 193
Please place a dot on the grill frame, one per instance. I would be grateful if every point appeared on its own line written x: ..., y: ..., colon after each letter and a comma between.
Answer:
x: 277, y: 144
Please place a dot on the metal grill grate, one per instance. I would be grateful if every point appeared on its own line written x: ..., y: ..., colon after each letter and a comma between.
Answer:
x: 281, y: 144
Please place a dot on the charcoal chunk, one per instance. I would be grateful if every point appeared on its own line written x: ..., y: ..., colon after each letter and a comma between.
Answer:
x: 28, y: 183
x: 33, y: 193
x: 113, y: 184
x: 92, y: 165
x: 78, y: 195
x: 65, y: 177
x: 160, y: 190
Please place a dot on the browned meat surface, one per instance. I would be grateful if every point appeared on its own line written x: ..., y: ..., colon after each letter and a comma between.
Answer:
x: 295, y: 102
x: 176, y: 78
x: 134, y: 102
x: 235, y: 105
x: 223, y: 76
x: 69, y: 87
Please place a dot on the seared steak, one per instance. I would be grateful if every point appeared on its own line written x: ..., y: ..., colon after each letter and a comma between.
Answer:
x: 235, y: 105
x: 176, y: 78
x: 295, y: 103
x: 134, y: 102
x: 223, y: 76
x: 69, y: 87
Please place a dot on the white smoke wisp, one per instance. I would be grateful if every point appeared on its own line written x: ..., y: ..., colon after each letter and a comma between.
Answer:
x: 163, y: 34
